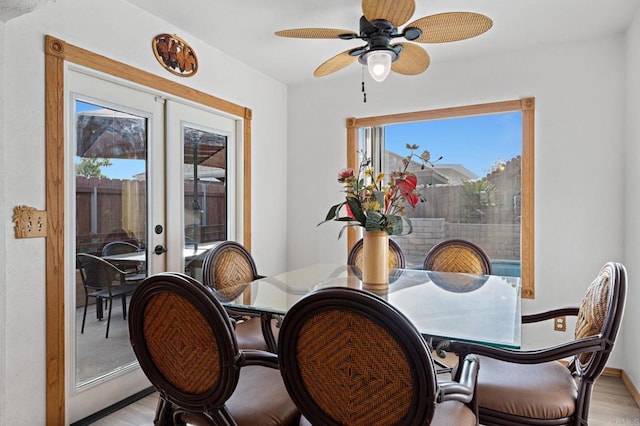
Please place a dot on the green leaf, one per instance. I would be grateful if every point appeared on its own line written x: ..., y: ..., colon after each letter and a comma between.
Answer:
x: 408, y: 221
x: 356, y: 210
x: 395, y: 223
x: 374, y: 221
x: 345, y: 227
x: 334, y: 212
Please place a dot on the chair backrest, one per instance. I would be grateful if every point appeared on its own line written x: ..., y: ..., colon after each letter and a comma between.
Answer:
x: 119, y: 247
x: 348, y: 357
x: 228, y: 264
x: 457, y: 255
x: 184, y: 342
x: 96, y: 273
x: 395, y: 258
x: 599, y: 316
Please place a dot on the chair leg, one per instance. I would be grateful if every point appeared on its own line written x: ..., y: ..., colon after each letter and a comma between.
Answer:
x: 99, y: 309
x: 164, y: 413
x: 441, y: 367
x: 84, y: 314
x: 106, y: 335
x: 124, y: 306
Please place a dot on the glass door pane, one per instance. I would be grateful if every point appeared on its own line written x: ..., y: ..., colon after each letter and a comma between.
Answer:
x: 202, y: 172
x: 110, y: 234
x: 205, y: 194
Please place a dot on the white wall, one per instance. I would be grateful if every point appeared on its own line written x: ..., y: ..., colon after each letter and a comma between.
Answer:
x: 3, y: 208
x: 580, y: 130
x: 118, y: 30
x: 580, y: 108
x: 631, y: 321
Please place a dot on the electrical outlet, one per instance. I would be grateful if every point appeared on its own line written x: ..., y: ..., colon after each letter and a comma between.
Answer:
x: 560, y: 324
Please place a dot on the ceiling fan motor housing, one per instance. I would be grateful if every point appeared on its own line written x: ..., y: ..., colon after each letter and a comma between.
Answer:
x: 378, y: 35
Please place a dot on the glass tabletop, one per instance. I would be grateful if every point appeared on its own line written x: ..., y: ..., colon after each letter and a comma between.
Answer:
x: 477, y: 308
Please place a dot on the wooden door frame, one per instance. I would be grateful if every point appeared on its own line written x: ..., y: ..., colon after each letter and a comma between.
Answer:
x: 56, y: 53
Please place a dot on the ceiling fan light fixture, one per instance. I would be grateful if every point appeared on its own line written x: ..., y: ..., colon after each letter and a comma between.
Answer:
x: 379, y: 64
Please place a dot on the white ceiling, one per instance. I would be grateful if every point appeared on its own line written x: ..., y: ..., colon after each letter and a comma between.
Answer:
x: 244, y: 28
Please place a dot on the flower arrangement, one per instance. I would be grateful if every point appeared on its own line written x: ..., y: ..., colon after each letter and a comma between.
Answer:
x: 377, y: 205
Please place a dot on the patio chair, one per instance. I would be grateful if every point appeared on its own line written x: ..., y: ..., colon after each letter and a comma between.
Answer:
x: 229, y: 264
x: 103, y: 281
x: 534, y: 387
x: 348, y: 357
x: 123, y: 247
x: 184, y: 341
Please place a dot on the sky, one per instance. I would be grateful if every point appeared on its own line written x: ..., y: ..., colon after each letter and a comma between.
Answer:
x: 475, y: 142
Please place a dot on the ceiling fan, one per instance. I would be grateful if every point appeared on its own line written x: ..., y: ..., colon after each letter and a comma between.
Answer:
x: 379, y: 26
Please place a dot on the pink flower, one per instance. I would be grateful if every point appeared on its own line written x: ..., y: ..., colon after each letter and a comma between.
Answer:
x: 345, y: 174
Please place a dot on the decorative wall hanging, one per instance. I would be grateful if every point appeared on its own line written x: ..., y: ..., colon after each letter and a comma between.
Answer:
x: 175, y: 55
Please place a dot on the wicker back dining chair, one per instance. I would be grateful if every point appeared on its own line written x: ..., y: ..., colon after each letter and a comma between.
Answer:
x: 229, y: 264
x: 533, y: 387
x: 185, y: 344
x: 348, y: 357
x: 395, y: 258
x: 457, y: 255
x: 103, y: 281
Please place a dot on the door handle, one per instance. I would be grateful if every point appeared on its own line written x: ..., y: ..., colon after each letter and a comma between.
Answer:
x: 159, y: 249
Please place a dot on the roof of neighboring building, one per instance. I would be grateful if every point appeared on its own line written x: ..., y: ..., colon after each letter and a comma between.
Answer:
x: 457, y: 174
x: 432, y: 174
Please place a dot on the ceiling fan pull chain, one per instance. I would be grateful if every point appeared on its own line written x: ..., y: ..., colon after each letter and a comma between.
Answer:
x: 364, y: 93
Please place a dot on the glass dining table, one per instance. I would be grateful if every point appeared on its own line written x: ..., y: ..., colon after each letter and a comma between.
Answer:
x: 447, y: 306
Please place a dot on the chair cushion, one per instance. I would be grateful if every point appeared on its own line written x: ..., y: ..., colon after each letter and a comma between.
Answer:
x: 261, y: 399
x: 541, y: 391
x: 249, y: 334
x: 453, y: 413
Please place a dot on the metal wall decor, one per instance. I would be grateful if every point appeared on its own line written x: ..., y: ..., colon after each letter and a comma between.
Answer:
x: 175, y: 55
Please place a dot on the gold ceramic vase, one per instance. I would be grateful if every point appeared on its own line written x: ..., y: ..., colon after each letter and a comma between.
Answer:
x: 375, y: 262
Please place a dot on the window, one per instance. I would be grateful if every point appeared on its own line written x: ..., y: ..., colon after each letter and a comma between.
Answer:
x: 482, y: 188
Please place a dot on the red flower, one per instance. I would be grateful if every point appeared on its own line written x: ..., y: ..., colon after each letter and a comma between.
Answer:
x: 407, y: 187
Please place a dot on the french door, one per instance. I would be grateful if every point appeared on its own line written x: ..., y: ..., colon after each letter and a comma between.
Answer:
x: 151, y: 177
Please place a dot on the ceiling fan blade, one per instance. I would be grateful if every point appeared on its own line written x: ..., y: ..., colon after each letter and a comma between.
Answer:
x: 412, y: 60
x: 314, y: 33
x: 451, y: 26
x: 395, y: 11
x: 334, y: 64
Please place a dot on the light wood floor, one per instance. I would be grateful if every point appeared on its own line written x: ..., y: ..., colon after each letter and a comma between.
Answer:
x: 611, y: 404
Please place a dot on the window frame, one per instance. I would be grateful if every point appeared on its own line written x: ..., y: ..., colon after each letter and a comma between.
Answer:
x: 524, y: 105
